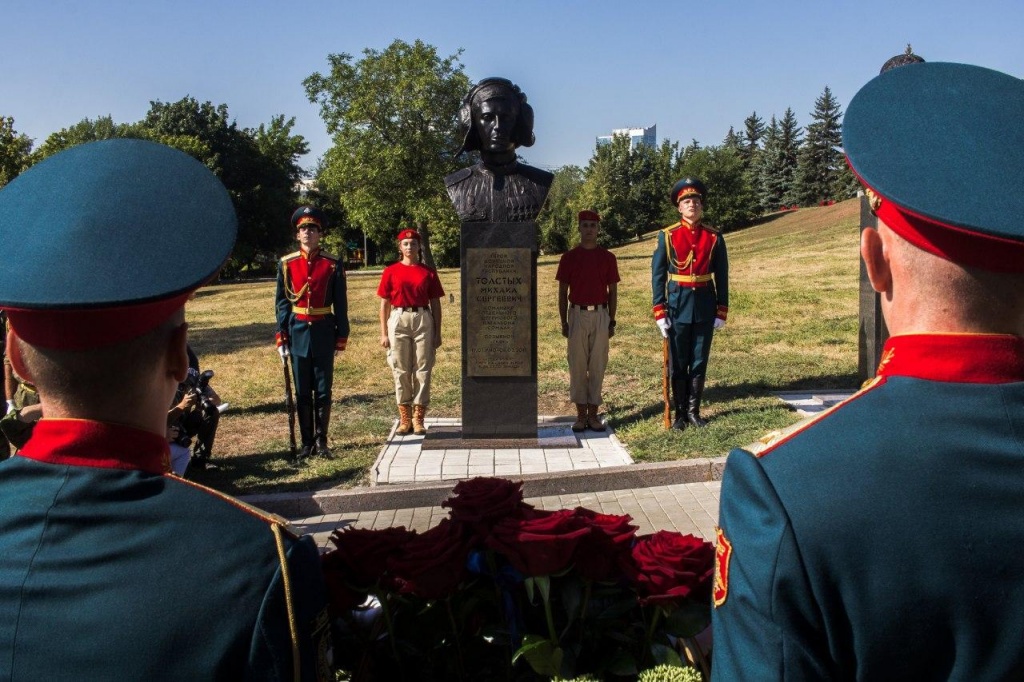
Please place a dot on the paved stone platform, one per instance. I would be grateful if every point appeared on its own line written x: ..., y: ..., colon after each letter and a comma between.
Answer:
x: 409, y: 482
x: 685, y: 507
x: 403, y: 459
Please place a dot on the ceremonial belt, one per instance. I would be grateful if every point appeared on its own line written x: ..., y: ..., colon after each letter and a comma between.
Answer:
x: 311, y: 311
x: 599, y: 306
x: 692, y: 280
x: 411, y: 308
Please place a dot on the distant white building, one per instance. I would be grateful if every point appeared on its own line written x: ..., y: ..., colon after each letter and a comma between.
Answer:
x: 637, y: 136
x: 305, y: 186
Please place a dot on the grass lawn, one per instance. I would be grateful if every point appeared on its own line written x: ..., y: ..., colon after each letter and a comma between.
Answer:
x: 792, y: 325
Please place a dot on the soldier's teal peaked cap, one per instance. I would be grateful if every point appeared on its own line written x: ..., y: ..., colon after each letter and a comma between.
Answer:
x: 687, y: 187
x: 941, y: 146
x: 104, y: 241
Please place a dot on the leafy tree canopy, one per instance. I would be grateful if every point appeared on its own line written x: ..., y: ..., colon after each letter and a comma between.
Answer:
x: 15, y: 149
x: 393, y: 118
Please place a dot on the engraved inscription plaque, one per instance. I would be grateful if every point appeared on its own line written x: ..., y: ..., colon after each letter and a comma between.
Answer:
x: 499, y: 312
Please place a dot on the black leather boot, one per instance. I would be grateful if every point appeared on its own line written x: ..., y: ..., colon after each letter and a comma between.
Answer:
x: 323, y: 420
x: 693, y: 405
x: 679, y: 390
x: 304, y: 411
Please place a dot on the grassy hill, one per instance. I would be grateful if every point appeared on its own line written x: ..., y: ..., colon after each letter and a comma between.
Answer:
x: 792, y: 325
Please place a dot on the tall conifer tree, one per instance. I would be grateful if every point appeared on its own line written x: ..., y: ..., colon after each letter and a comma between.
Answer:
x: 821, y: 161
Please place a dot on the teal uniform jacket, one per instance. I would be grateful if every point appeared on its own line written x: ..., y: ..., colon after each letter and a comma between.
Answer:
x: 113, y: 570
x: 884, y: 541
x: 680, y: 254
x: 312, y: 304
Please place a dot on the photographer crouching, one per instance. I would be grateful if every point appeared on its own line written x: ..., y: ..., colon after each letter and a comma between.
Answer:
x: 194, y: 413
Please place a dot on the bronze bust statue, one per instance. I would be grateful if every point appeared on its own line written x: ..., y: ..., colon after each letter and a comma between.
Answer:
x: 495, y: 119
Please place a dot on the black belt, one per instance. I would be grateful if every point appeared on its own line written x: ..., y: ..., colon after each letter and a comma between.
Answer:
x: 590, y: 307
x: 411, y: 308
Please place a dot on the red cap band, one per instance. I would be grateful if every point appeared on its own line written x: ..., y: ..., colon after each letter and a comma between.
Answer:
x: 589, y: 215
x: 409, y: 234
x: 85, y: 328
x: 956, y: 244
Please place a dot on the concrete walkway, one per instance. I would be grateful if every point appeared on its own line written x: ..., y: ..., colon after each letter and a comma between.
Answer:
x: 410, y: 481
x: 404, y: 460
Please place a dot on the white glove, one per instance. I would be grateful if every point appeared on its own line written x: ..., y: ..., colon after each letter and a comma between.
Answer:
x: 719, y: 323
x: 663, y: 325
x: 283, y: 351
x: 10, y: 406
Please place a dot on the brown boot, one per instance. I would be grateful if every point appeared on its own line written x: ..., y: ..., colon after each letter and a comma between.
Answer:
x: 418, y: 413
x: 581, y: 418
x: 593, y: 421
x: 404, y: 421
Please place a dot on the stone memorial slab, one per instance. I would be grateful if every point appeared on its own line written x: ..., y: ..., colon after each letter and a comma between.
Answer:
x: 498, y: 312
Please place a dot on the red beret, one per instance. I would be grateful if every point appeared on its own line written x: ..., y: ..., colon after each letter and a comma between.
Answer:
x: 589, y: 215
x: 409, y: 233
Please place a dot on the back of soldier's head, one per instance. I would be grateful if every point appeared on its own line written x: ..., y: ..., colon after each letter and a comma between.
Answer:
x: 939, y: 148
x: 103, y: 244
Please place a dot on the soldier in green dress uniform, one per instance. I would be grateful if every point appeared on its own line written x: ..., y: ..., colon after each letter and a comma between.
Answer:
x: 111, y: 567
x: 882, y: 541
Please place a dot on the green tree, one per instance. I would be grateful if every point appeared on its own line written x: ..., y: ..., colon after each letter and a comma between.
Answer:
x: 557, y: 220
x: 628, y: 187
x: 770, y: 170
x: 731, y: 202
x: 86, y: 130
x: 258, y: 167
x: 819, y: 173
x: 15, y: 150
x: 652, y: 177
x: 750, y: 146
x: 732, y: 140
x: 393, y: 119
x: 789, y: 140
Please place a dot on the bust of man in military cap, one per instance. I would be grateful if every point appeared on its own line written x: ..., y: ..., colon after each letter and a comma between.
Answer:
x: 495, y: 120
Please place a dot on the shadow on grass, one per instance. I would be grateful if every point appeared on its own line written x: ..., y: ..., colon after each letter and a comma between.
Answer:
x: 261, y: 473
x: 277, y: 406
x: 743, y: 391
x: 225, y: 341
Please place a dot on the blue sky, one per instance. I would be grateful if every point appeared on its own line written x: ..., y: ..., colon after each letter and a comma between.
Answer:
x: 587, y: 66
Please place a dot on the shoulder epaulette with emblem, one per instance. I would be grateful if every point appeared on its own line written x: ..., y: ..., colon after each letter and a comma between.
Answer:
x: 458, y: 176
x: 291, y: 256
x: 328, y: 256
x: 669, y: 228
x: 711, y: 228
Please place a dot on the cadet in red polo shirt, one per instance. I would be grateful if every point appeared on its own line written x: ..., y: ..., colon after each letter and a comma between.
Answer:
x: 588, y: 280
x: 410, y: 329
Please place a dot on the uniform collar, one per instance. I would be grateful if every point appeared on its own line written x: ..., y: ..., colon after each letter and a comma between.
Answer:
x: 81, y: 442
x: 309, y: 255
x: 963, y: 358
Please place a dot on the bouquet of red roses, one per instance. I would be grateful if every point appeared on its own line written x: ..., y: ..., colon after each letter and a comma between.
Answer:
x: 500, y: 590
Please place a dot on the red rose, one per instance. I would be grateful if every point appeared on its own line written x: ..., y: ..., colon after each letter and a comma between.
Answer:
x: 603, y: 554
x: 363, y: 554
x: 432, y: 564
x: 340, y: 597
x: 481, y: 502
x: 669, y: 566
x: 541, y: 543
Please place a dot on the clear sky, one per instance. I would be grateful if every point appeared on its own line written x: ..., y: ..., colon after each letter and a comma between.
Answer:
x: 587, y: 66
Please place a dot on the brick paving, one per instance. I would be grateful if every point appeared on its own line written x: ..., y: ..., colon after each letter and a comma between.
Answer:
x: 403, y: 460
x: 684, y: 507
